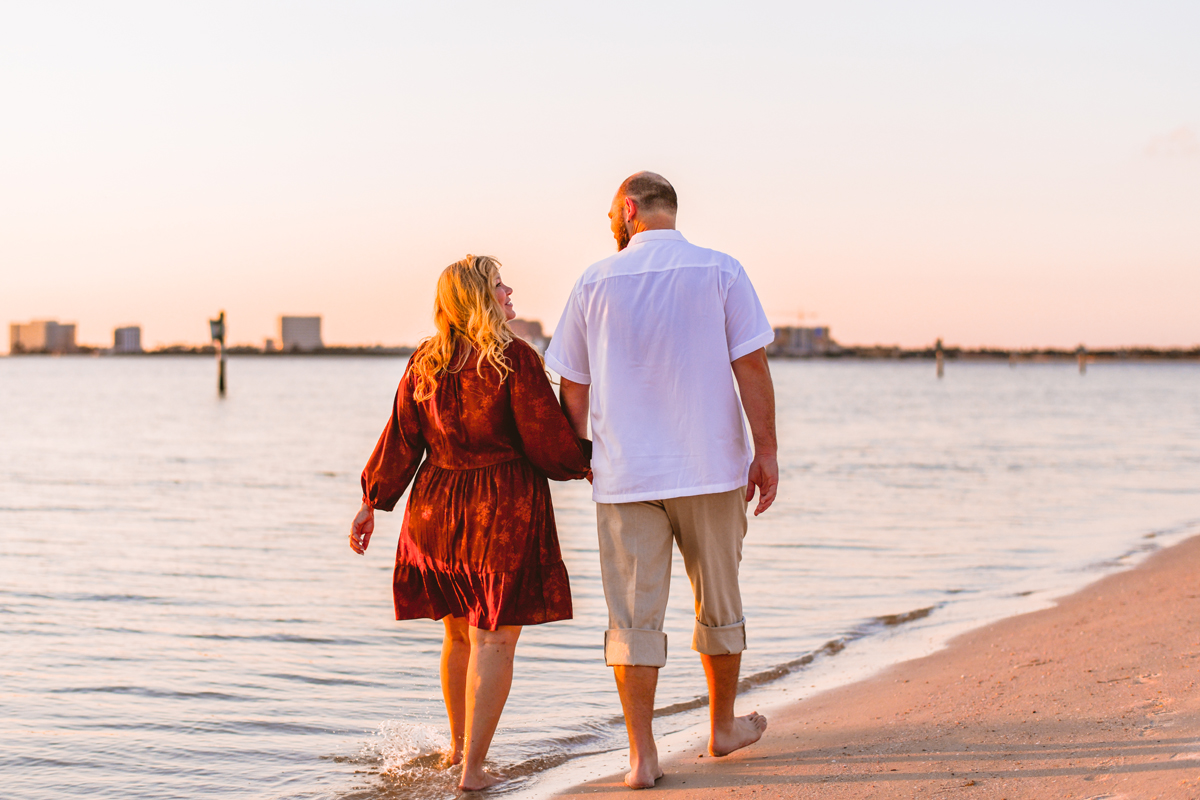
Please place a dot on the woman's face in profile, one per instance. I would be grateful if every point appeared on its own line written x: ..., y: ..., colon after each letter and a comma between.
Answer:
x: 504, y: 298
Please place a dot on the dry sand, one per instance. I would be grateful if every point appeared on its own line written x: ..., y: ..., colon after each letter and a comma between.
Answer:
x: 1094, y: 698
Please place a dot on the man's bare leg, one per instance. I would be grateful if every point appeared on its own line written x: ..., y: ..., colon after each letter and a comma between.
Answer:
x: 489, y: 678
x: 728, y: 733
x: 456, y: 655
x: 636, y: 686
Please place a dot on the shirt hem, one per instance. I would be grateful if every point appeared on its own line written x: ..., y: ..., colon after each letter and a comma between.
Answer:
x: 667, y: 494
x: 568, y: 373
x: 762, y: 340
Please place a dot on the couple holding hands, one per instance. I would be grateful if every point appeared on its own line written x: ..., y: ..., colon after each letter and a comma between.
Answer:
x: 645, y: 348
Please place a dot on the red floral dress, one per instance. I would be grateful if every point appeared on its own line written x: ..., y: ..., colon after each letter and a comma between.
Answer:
x: 478, y: 539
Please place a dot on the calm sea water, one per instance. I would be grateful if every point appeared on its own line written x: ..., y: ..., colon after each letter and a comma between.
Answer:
x: 181, y: 616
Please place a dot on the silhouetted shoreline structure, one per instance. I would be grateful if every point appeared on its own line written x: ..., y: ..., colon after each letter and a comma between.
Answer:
x: 791, y: 342
x: 300, y: 334
x: 127, y: 339
x: 875, y: 352
x: 531, y: 331
x: 803, y: 342
x: 41, y: 336
x: 217, y: 328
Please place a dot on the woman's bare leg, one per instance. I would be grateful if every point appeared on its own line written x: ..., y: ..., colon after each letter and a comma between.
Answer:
x: 488, y: 680
x: 456, y: 658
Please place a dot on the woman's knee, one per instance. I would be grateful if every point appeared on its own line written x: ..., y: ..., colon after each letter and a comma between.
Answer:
x: 504, y: 636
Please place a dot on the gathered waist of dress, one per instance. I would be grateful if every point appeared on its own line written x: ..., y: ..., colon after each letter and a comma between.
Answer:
x: 433, y: 462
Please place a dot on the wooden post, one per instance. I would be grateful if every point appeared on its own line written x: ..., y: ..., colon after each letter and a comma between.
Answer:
x: 217, y: 326
x: 941, y: 359
x: 1081, y: 354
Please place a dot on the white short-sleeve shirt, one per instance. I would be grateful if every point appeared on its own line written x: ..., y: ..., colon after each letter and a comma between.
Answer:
x: 653, y: 330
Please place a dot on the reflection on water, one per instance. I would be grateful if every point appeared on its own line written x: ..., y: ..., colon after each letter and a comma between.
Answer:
x: 180, y: 615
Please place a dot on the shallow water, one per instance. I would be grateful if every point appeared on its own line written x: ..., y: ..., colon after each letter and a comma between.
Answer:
x: 180, y: 614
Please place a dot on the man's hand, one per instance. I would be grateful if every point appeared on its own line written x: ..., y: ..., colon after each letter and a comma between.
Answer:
x: 764, y: 473
x: 362, y: 528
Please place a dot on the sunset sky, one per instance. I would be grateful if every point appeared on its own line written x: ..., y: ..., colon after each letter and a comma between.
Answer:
x: 1012, y: 174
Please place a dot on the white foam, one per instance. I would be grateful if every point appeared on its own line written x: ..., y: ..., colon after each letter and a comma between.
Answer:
x: 398, y: 744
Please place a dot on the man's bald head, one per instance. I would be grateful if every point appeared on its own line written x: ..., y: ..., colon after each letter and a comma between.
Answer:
x: 652, y: 192
x: 645, y: 202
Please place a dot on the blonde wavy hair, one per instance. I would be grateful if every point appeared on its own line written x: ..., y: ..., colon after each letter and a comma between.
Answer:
x: 467, y: 316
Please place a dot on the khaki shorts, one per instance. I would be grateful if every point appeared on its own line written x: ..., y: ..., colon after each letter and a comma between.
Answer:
x: 635, y: 564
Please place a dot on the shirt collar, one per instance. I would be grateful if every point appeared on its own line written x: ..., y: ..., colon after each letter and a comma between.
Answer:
x: 652, y: 236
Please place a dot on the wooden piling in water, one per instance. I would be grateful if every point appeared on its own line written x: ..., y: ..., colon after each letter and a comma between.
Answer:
x: 217, y: 327
x: 941, y: 359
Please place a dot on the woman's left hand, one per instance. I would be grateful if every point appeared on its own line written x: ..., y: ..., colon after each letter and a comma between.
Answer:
x: 362, y: 528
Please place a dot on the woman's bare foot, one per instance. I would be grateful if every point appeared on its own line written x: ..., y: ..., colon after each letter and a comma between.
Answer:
x: 480, y: 779
x: 451, y: 758
x: 742, y: 731
x: 644, y: 773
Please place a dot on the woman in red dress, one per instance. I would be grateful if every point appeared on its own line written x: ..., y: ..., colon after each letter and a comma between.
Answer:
x: 478, y: 548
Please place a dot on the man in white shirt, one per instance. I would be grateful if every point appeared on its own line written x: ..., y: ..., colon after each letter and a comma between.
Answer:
x: 645, y: 348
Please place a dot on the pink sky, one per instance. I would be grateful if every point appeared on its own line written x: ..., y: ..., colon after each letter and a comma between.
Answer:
x: 1000, y: 175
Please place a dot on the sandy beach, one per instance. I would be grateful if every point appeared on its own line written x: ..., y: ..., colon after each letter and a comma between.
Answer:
x: 1093, y: 698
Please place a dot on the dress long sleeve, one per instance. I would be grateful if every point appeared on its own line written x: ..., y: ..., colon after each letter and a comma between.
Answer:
x: 546, y: 435
x: 398, y: 452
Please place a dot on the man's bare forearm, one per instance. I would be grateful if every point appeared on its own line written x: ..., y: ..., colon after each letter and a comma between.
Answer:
x: 758, y: 398
x: 574, y: 399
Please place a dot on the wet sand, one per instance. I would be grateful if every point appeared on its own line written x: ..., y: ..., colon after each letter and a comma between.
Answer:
x: 1094, y: 698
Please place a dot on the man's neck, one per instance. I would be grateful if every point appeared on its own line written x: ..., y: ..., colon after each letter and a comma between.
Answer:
x: 655, y: 223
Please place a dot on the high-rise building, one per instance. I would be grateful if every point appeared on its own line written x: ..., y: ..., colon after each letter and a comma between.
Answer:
x: 800, y: 341
x: 127, y: 339
x: 531, y: 331
x: 42, y: 336
x: 300, y: 334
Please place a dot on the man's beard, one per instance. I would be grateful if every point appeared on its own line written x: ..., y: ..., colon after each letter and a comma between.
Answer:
x: 622, y: 238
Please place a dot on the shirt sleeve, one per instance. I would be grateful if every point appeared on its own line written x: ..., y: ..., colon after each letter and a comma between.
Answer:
x: 568, y: 352
x: 546, y: 435
x: 398, y: 452
x: 746, y: 325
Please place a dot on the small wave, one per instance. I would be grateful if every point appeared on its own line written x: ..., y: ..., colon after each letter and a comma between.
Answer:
x: 270, y: 637
x: 322, y: 681
x: 830, y: 648
x: 891, y: 620
x: 143, y: 691
x: 88, y: 597
x: 122, y: 598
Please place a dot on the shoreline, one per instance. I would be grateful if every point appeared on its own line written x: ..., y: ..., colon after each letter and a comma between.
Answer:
x: 1095, y: 696
x: 1130, y: 355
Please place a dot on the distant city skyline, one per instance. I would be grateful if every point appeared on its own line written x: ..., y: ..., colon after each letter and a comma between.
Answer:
x: 992, y: 174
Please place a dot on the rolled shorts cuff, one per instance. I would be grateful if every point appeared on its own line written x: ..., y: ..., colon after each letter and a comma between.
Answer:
x: 719, y: 641
x: 635, y: 647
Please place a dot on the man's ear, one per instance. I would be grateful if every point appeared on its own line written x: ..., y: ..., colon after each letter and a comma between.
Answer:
x: 631, y: 209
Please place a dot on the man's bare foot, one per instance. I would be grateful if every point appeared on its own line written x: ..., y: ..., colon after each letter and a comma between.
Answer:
x: 644, y: 773
x: 479, y: 779
x: 742, y: 731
